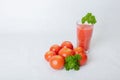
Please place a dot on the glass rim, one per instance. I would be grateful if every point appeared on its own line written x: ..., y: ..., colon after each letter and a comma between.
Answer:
x: 78, y: 22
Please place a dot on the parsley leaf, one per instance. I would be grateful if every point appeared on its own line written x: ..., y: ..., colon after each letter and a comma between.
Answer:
x: 71, y: 62
x: 89, y: 18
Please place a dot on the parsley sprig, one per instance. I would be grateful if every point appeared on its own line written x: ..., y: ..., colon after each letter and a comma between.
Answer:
x: 71, y: 62
x: 89, y: 18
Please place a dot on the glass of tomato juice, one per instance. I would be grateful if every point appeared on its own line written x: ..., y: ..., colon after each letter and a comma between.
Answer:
x: 84, y: 34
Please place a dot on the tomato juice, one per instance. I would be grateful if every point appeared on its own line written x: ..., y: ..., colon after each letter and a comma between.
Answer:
x: 84, y: 34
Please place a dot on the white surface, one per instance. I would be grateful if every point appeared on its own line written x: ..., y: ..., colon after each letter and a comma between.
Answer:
x: 29, y: 27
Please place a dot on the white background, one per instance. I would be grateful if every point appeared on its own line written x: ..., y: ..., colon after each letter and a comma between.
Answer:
x: 29, y: 27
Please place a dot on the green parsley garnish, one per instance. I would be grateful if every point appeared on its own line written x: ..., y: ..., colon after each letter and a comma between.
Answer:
x: 71, y: 62
x: 89, y: 18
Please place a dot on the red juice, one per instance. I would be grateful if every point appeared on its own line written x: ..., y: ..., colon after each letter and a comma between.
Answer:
x: 84, y: 34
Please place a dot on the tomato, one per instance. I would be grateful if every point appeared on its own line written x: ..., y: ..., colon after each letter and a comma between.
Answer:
x: 78, y: 50
x: 84, y: 58
x: 49, y: 54
x: 55, y: 48
x: 66, y: 52
x: 67, y: 44
x: 57, y: 62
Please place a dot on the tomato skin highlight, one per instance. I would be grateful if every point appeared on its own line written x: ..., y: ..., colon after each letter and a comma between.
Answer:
x: 55, y: 48
x: 49, y: 55
x: 67, y: 44
x: 66, y: 52
x: 57, y: 62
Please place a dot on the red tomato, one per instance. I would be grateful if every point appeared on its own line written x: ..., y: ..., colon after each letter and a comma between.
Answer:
x: 66, y: 52
x: 84, y: 58
x: 78, y: 50
x: 57, y: 62
x: 67, y: 44
x: 49, y: 54
x: 55, y: 48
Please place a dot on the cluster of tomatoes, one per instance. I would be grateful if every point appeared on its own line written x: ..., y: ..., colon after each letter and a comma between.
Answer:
x: 57, y: 54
